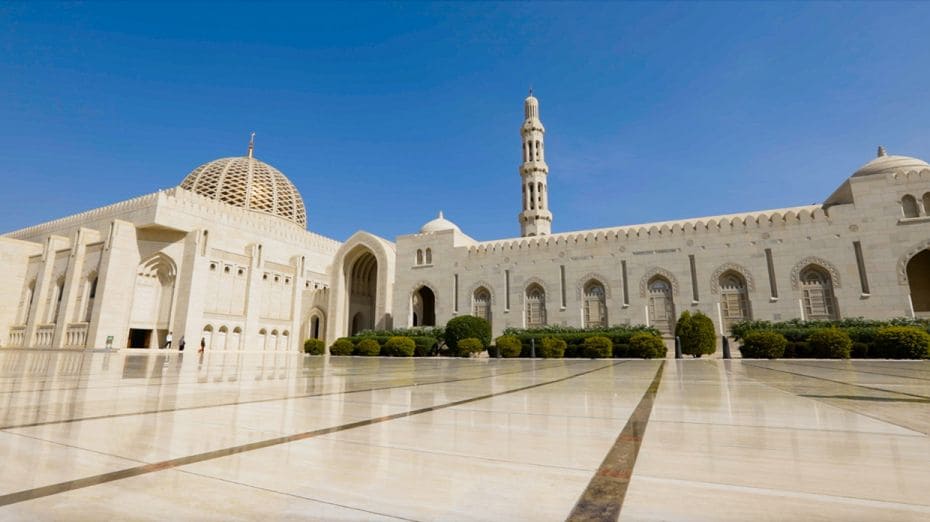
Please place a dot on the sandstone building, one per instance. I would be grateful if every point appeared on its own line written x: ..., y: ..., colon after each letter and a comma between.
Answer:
x: 226, y: 257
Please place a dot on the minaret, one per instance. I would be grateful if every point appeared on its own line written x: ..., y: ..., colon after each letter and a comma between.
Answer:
x: 535, y: 219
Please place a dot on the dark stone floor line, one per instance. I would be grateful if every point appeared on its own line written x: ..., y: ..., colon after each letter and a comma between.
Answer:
x: 873, y: 388
x: 271, y: 399
x: 62, y: 487
x: 604, y: 496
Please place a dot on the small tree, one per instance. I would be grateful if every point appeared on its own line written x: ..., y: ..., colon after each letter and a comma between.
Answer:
x: 509, y: 345
x: 697, y: 334
x: 552, y: 348
x: 467, y: 326
x: 830, y: 343
x: 763, y: 344
x: 647, y: 345
x: 368, y: 347
x: 342, y: 346
x: 399, y: 346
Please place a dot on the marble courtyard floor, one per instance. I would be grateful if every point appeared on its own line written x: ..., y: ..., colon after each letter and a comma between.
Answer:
x: 247, y: 436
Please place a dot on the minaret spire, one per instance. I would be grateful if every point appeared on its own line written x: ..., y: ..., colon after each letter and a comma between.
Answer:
x: 252, y: 144
x: 535, y: 217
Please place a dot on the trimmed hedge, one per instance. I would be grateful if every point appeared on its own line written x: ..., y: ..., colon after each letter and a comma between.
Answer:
x: 697, y: 334
x: 469, y: 346
x: 509, y: 345
x: 902, y: 342
x: 341, y: 346
x: 647, y: 345
x: 314, y: 347
x: 764, y: 344
x: 367, y: 346
x: 575, y: 337
x: 467, y: 327
x: 552, y: 348
x: 863, y: 334
x: 399, y: 346
x: 830, y: 343
x: 598, y: 347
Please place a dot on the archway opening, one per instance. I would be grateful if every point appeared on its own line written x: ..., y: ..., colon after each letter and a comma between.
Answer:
x: 661, y: 305
x: 734, y: 300
x: 595, y: 304
x: 918, y: 279
x: 152, y: 300
x: 362, y: 288
x: 424, y: 307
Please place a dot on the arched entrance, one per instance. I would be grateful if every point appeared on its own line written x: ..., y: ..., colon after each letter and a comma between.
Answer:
x: 661, y: 305
x: 152, y: 301
x: 362, y: 282
x: 423, y: 303
x: 918, y: 280
x: 734, y: 300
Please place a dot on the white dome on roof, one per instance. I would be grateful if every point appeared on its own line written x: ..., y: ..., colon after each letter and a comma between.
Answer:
x: 246, y: 182
x: 885, y: 163
x: 439, y: 224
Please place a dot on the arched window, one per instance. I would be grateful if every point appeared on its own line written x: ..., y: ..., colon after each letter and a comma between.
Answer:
x: 429, y: 256
x: 481, y: 304
x: 817, y: 294
x: 285, y: 338
x: 538, y: 150
x: 595, y: 305
x: 273, y: 342
x: 535, y: 306
x: 661, y: 305
x: 235, y: 339
x: 909, y: 206
x: 734, y: 301
x: 539, y: 196
x: 419, y: 256
x: 220, y: 341
x: 532, y: 196
x: 91, y: 293
x: 56, y: 300
x: 207, y: 337
x: 926, y: 202
x: 26, y: 304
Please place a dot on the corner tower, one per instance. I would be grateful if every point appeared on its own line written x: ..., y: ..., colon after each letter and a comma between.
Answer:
x: 535, y: 218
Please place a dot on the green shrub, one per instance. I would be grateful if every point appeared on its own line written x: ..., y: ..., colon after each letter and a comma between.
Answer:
x: 367, y: 346
x: 763, y: 344
x: 902, y: 342
x: 697, y: 334
x: 598, y: 346
x: 647, y: 345
x: 859, y: 350
x: 467, y: 326
x: 469, y: 346
x: 509, y: 345
x: 552, y: 348
x: 342, y: 346
x: 424, y: 345
x: 399, y: 346
x: 622, y: 350
x: 314, y: 347
x: 830, y: 343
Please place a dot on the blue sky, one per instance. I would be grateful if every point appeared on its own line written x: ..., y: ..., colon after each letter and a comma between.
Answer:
x: 383, y: 114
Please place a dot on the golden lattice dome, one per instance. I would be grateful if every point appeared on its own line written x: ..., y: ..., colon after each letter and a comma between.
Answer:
x: 246, y: 182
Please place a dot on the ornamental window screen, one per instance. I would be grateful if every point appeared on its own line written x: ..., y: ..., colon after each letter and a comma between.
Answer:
x: 734, y: 300
x: 535, y: 306
x: 595, y: 305
x: 481, y: 304
x: 817, y: 294
x: 661, y: 305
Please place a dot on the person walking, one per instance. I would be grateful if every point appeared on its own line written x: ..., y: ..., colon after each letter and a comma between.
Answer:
x: 181, y: 344
x: 168, y: 341
x: 203, y: 344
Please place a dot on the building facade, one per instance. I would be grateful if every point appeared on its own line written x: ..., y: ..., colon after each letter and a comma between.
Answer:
x: 226, y: 258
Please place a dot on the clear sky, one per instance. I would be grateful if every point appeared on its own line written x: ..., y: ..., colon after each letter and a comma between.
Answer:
x: 384, y: 114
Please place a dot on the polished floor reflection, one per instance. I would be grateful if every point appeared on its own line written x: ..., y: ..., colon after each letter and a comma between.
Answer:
x: 242, y: 436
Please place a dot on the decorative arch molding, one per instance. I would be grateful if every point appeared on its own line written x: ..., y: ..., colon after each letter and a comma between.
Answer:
x: 731, y: 267
x: 530, y: 281
x: 585, y: 279
x: 157, y: 262
x: 906, y: 258
x: 657, y: 271
x: 316, y: 311
x: 480, y: 284
x: 338, y: 322
x: 420, y: 284
x: 814, y: 260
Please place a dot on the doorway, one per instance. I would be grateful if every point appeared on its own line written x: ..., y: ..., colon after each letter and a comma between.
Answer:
x: 139, y: 338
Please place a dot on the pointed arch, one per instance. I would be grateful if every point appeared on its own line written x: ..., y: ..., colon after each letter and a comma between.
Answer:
x: 813, y: 260
x: 652, y: 273
x: 731, y: 267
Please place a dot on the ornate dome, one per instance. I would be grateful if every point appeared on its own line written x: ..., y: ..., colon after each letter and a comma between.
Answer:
x: 439, y: 224
x: 246, y: 182
x: 885, y: 163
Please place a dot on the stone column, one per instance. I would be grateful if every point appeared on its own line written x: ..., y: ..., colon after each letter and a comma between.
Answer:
x: 73, y: 286
x: 115, y: 287
x: 43, y: 286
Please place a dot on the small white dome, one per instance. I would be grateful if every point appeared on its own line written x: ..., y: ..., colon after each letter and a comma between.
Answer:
x: 439, y: 224
x: 885, y: 163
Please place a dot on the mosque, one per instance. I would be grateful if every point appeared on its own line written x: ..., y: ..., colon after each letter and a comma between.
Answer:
x: 226, y: 257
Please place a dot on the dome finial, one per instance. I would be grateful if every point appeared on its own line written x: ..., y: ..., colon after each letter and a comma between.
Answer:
x: 881, y: 151
x: 440, y: 215
x: 251, y: 143
x: 531, y: 89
